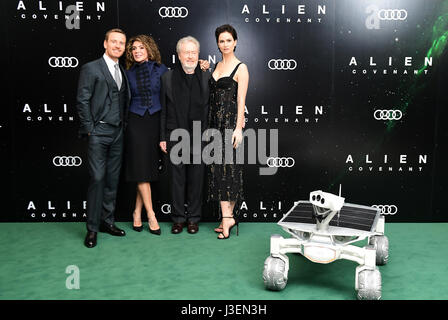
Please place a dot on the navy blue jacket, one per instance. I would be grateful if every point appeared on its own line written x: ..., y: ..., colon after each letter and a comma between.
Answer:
x: 155, y: 71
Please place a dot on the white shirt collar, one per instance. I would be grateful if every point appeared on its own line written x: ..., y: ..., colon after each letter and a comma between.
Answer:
x: 109, y: 60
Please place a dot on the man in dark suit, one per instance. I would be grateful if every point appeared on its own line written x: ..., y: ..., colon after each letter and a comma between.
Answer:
x: 184, y: 98
x: 102, y: 101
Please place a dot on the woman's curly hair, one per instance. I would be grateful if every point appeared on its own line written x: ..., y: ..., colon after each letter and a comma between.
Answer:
x: 151, y: 48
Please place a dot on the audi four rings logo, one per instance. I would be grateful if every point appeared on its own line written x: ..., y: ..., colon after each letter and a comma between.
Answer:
x: 392, y: 14
x: 388, y: 114
x: 277, y: 162
x: 63, y: 62
x: 67, y: 161
x: 386, y: 209
x: 282, y: 64
x: 173, y: 12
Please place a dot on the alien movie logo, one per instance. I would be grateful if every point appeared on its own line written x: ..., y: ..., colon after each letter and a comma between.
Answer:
x: 407, y: 65
x: 45, y: 112
x: 386, y: 163
x: 281, y: 13
x: 297, y: 114
x: 41, y: 210
x: 60, y: 10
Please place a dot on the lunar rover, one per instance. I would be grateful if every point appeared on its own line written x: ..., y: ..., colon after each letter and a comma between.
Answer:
x: 323, y: 230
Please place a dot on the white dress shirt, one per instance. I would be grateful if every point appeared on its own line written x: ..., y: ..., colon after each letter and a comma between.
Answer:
x: 111, y: 65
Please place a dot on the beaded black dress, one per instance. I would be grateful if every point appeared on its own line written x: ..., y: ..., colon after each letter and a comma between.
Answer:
x: 225, y: 180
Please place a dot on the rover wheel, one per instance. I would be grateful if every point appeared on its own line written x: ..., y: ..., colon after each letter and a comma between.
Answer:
x: 369, y: 285
x: 274, y: 276
x: 381, y: 244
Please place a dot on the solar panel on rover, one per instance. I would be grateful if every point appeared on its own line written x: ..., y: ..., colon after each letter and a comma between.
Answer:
x: 351, y: 216
x: 354, y: 216
x: 302, y: 213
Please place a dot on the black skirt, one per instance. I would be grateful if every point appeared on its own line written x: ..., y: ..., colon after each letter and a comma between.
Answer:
x: 142, y: 155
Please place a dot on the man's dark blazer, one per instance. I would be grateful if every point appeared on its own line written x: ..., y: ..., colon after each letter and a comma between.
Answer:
x: 95, y: 94
x: 173, y: 117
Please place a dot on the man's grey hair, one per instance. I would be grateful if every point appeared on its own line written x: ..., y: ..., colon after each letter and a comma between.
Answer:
x: 187, y: 39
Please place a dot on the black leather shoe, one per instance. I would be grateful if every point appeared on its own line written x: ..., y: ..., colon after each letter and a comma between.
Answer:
x: 112, y: 229
x: 90, y: 240
x: 177, y: 228
x: 192, y: 227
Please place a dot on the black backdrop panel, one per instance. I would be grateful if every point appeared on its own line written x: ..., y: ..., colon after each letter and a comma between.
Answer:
x: 6, y: 146
x: 440, y: 171
x: 354, y: 90
x: 45, y: 121
x: 375, y: 70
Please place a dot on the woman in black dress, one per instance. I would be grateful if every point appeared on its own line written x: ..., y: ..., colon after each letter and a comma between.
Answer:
x: 228, y: 88
x: 144, y: 69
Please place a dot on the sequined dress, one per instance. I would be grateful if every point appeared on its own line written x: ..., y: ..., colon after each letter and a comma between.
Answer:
x: 225, y: 180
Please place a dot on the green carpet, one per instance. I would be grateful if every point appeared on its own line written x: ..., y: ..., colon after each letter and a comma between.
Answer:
x: 34, y: 258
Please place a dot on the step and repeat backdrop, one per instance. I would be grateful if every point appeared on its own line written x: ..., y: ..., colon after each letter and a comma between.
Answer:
x: 353, y: 90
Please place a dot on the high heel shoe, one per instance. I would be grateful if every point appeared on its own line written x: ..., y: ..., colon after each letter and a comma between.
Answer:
x: 136, y: 228
x: 219, y: 228
x: 157, y: 232
x: 230, y: 229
